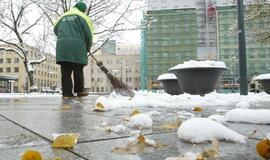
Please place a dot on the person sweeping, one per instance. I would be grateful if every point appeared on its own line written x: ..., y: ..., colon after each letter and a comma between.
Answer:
x: 74, y: 31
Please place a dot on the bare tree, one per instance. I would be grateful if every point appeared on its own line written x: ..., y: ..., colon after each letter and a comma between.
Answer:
x: 257, y: 11
x: 20, y: 27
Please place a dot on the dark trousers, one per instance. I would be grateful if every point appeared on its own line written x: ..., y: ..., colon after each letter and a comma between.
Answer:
x: 66, y: 70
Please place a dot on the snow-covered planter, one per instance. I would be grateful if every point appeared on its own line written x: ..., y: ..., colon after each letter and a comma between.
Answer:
x: 170, y: 84
x: 198, y: 77
x: 264, y: 79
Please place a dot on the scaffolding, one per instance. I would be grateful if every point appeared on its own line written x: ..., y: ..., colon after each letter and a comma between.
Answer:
x: 169, y: 38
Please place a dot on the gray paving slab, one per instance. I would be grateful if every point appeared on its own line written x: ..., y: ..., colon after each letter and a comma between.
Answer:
x: 248, y: 129
x: 47, y: 122
x: 174, y: 147
x: 42, y: 116
x: 46, y: 151
x: 12, y: 135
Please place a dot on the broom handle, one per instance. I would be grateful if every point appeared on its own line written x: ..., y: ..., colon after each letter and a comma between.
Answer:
x: 100, y: 64
x: 93, y: 57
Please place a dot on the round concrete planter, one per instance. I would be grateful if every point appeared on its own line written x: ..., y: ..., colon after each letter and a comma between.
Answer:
x: 171, y: 86
x: 266, y: 85
x: 198, y: 81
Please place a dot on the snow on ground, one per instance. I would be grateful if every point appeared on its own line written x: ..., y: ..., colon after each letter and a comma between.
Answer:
x: 199, y: 130
x: 260, y: 116
x: 140, y: 120
x: 187, y: 101
x: 28, y: 95
x: 218, y: 118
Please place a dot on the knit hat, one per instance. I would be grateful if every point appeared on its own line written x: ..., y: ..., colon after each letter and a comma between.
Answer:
x: 81, y: 6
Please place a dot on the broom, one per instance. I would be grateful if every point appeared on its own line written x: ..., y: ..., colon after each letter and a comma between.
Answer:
x: 118, y: 85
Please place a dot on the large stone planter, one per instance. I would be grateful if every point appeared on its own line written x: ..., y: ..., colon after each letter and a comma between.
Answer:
x: 264, y: 79
x: 266, y: 85
x: 198, y: 81
x: 170, y: 84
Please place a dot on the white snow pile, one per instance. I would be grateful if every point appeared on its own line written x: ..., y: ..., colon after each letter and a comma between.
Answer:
x: 218, y: 118
x: 260, y: 116
x: 262, y: 76
x: 200, y: 64
x: 199, y: 130
x: 112, y: 102
x: 166, y: 76
x: 184, y: 101
x: 140, y: 120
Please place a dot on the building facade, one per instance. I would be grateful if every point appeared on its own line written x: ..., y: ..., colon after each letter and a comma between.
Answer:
x: 257, y: 51
x: 124, y: 67
x: 124, y: 49
x: 170, y: 37
x: 177, y: 31
x: 46, y: 74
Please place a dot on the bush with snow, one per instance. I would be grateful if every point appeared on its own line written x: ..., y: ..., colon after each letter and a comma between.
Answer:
x: 199, y: 130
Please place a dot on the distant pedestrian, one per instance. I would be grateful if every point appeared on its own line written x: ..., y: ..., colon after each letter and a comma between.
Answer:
x: 74, y: 31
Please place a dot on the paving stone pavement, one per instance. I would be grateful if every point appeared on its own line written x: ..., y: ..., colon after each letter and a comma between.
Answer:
x: 28, y: 123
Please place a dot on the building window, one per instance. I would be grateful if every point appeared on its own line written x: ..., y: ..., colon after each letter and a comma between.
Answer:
x: 16, y: 69
x: 92, y: 79
x: 16, y: 60
x: 1, y: 60
x: 8, y: 69
x: 8, y: 60
x: 1, y: 70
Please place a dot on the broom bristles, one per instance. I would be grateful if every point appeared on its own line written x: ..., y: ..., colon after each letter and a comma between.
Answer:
x: 118, y: 85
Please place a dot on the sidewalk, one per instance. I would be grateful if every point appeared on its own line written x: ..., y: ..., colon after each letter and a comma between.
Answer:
x: 28, y: 123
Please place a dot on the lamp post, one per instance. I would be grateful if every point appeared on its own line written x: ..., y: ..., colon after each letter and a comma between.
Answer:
x: 242, y: 49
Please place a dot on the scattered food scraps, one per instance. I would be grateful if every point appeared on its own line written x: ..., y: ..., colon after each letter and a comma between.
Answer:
x: 31, y: 155
x: 65, y: 140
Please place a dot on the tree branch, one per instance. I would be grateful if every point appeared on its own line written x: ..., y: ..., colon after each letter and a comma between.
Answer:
x: 29, y: 27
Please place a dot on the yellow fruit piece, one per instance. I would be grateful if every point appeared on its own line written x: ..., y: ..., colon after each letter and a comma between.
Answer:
x: 197, y: 109
x: 135, y: 112
x: 65, y: 141
x: 31, y: 155
x: 263, y: 148
x: 173, y: 125
x: 99, y: 107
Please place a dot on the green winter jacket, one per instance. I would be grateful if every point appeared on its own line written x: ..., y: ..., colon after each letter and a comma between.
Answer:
x: 74, y: 31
